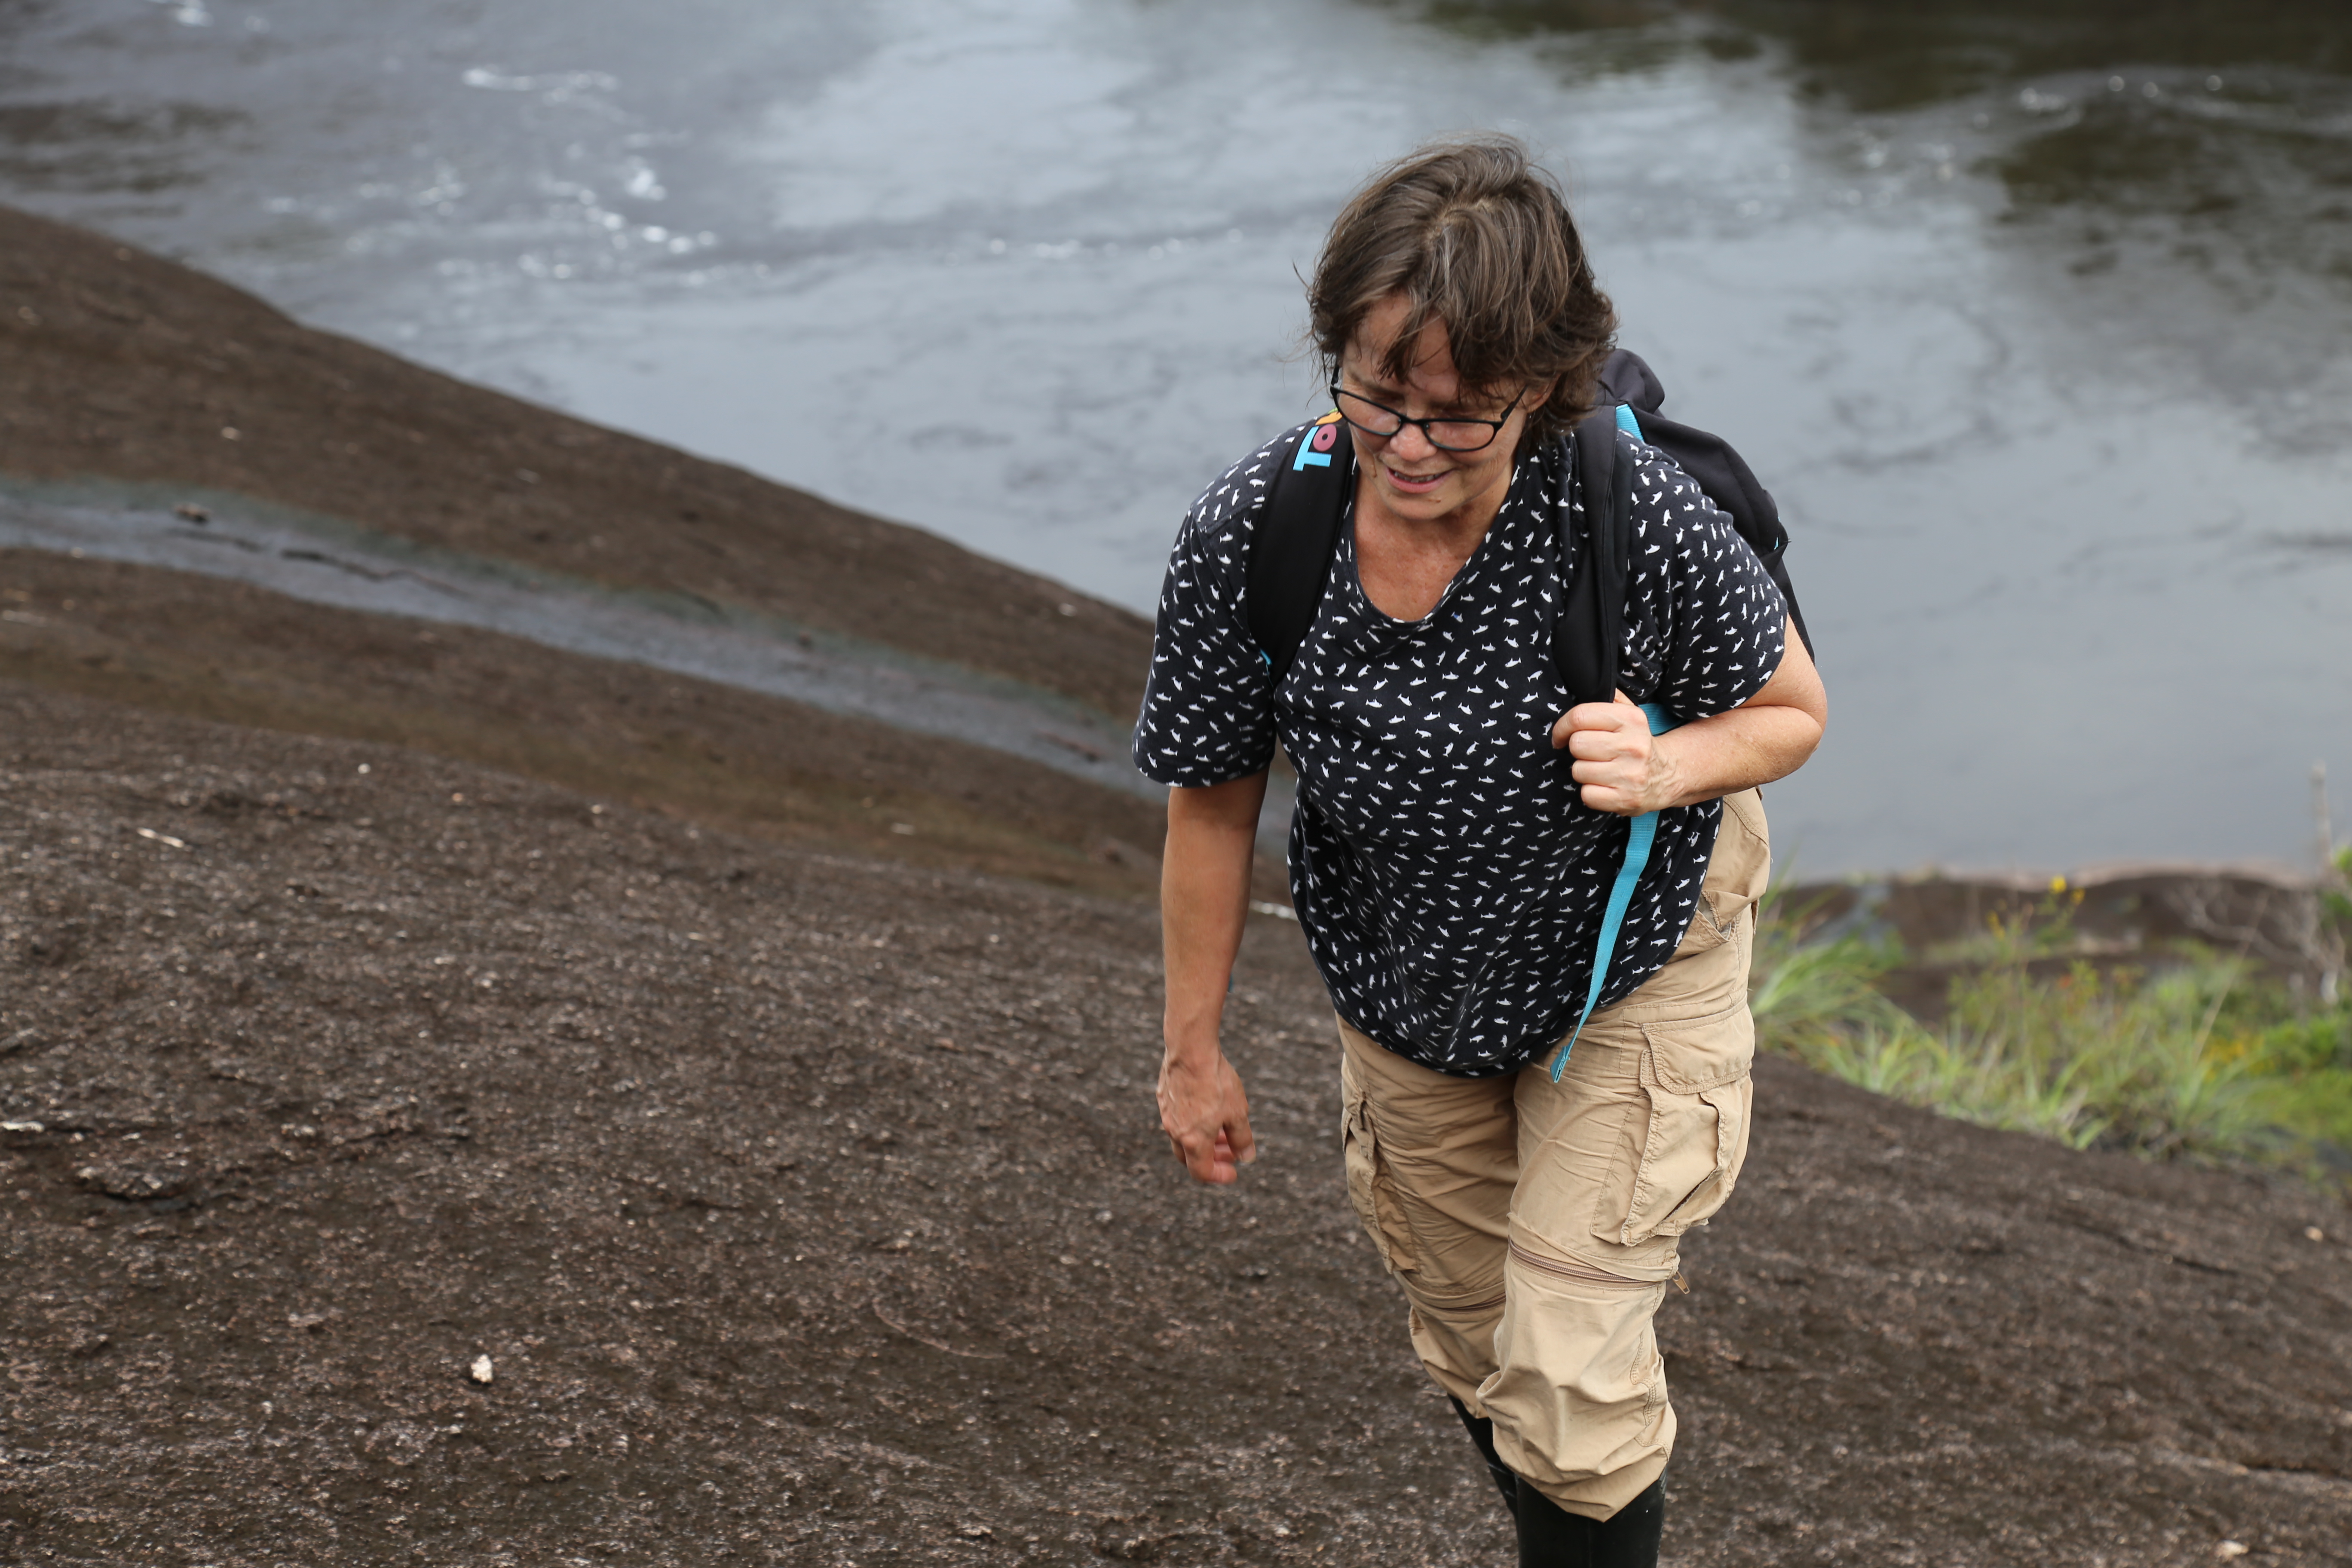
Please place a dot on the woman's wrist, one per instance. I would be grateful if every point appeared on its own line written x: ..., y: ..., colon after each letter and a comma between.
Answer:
x: 1668, y: 780
x: 1189, y: 1045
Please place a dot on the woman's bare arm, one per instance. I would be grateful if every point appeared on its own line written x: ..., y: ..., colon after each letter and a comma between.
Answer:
x: 1626, y: 770
x: 1205, y: 881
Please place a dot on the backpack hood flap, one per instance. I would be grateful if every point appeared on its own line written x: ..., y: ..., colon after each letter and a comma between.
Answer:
x: 1628, y: 378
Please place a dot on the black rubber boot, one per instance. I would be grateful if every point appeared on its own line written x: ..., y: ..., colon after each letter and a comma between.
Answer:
x: 1551, y: 1537
x: 1482, y: 1432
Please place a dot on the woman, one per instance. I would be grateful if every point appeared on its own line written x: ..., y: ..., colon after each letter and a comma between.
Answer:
x: 1457, y: 833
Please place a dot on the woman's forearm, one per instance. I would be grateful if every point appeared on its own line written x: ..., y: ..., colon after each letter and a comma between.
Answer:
x: 1710, y: 758
x: 1205, y: 881
x: 1766, y: 738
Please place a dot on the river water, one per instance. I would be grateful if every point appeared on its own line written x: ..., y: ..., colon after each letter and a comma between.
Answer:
x: 2034, y: 316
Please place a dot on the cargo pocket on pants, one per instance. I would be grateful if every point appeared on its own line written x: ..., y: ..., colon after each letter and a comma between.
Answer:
x: 1370, y: 1189
x: 1687, y: 1131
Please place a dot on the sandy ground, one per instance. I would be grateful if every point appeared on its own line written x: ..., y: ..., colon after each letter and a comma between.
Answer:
x: 809, y: 1208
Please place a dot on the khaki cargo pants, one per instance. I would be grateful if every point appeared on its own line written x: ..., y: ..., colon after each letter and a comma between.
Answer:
x: 1535, y: 1226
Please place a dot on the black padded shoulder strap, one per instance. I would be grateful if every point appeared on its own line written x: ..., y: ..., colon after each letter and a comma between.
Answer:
x: 1590, y: 626
x: 1296, y: 535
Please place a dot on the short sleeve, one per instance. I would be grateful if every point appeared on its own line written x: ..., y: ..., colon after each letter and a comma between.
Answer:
x: 1207, y: 705
x: 1706, y: 626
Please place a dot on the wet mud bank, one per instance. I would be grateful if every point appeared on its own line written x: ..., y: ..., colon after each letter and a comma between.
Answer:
x: 325, y: 563
x: 808, y: 1208
x: 122, y: 366
x: 2272, y: 917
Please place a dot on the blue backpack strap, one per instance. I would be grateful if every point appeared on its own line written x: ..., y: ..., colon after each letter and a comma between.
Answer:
x: 1640, y: 834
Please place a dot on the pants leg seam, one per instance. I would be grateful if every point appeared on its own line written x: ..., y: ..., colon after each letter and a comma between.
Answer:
x: 1582, y: 1274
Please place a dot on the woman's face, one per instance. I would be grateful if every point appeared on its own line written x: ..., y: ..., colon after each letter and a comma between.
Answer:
x: 1416, y: 481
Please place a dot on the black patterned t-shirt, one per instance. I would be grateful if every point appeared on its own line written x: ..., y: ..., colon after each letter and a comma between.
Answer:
x: 1449, y: 878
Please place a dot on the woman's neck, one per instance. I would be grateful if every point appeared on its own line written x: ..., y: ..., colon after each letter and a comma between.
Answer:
x: 1404, y: 563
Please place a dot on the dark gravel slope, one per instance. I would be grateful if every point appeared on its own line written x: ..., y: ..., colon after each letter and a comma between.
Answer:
x: 809, y: 1210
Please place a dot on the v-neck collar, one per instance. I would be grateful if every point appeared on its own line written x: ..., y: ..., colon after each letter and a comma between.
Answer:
x: 1379, y: 620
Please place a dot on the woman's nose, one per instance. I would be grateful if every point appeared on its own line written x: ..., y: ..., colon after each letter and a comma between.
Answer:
x: 1412, y: 444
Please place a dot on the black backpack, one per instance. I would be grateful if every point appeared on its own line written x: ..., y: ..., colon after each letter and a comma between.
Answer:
x: 1298, y: 533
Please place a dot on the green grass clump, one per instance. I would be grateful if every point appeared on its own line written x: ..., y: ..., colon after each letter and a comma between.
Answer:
x: 2199, y: 1058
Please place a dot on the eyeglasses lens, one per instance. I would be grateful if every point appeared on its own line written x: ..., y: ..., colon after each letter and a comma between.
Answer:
x: 1459, y: 438
x: 1448, y: 435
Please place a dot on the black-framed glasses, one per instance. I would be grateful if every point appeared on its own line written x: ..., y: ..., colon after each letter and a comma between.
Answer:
x: 1446, y: 435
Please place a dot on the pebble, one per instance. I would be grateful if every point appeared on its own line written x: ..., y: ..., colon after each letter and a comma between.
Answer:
x: 135, y: 1184
x: 482, y: 1371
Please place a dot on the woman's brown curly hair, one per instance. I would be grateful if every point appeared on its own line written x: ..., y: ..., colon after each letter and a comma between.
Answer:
x: 1474, y: 235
